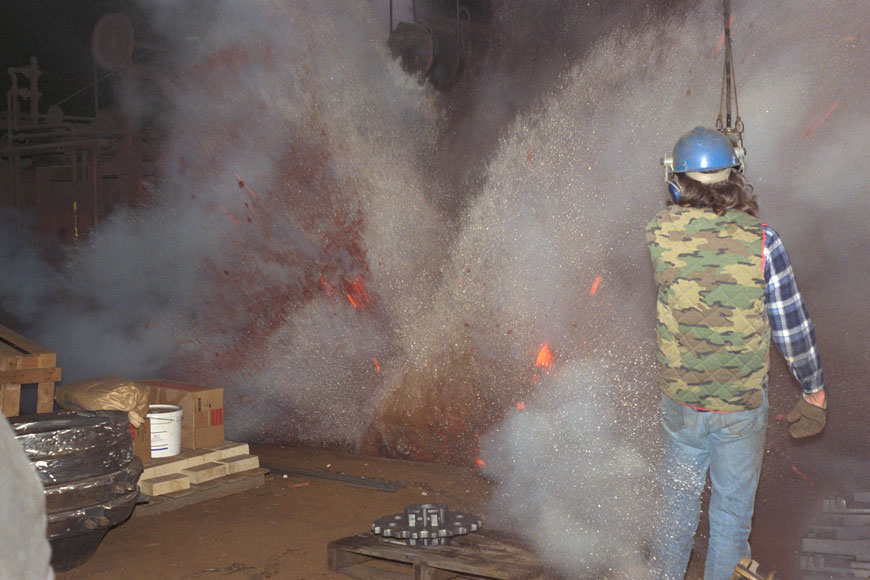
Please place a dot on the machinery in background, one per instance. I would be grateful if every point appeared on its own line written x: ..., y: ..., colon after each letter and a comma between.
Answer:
x: 70, y: 171
x: 434, y: 52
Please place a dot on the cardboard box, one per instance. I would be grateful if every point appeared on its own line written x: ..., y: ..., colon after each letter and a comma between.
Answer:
x: 142, y: 441
x: 202, y: 424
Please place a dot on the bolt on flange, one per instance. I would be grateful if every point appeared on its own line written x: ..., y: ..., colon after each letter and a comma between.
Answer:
x: 426, y: 524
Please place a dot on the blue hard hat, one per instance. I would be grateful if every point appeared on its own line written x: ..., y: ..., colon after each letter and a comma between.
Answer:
x: 703, y: 149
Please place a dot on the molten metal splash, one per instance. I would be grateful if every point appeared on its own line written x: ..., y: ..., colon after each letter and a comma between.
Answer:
x: 357, y: 294
x: 594, y: 287
x: 545, y: 357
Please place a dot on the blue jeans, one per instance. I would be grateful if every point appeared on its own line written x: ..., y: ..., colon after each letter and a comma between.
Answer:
x: 731, y: 447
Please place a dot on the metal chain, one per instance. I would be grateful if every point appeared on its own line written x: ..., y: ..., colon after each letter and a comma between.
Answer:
x: 729, y: 88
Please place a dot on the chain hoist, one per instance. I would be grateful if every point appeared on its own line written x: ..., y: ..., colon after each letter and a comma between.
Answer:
x: 731, y: 126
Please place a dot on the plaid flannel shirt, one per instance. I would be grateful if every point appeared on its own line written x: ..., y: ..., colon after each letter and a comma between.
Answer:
x: 790, y: 323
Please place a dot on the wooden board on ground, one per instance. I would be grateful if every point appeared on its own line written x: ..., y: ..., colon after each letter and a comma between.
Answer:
x: 485, y: 554
x: 215, y: 488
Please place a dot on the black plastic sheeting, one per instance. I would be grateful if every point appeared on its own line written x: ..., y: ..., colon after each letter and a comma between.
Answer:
x: 87, y: 519
x: 89, y: 474
x: 93, y: 490
x: 66, y: 446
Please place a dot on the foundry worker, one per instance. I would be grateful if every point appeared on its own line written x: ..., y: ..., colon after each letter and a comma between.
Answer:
x: 725, y: 287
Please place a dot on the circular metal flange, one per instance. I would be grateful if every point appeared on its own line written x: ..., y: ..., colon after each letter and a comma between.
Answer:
x: 426, y: 524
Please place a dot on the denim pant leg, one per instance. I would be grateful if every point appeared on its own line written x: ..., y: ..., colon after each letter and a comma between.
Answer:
x: 737, y: 450
x: 682, y: 475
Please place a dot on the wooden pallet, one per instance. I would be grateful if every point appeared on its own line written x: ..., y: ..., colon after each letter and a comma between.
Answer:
x: 199, y: 492
x: 485, y: 554
x: 24, y: 362
x: 838, y: 544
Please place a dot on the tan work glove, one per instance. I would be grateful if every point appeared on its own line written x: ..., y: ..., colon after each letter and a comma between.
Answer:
x: 806, y: 419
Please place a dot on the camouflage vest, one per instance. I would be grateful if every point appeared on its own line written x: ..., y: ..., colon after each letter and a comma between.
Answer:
x: 713, y: 331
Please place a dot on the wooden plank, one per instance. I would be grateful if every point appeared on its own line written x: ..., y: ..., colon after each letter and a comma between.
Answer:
x: 168, y: 503
x: 164, y: 484
x: 34, y: 355
x: 482, y: 554
x: 11, y: 399
x: 424, y: 572
x: 372, y: 570
x: 205, y: 472
x: 10, y: 357
x: 28, y: 376
x: 365, y: 568
x: 339, y: 559
x: 839, y: 532
x: 240, y: 463
x: 30, y: 346
x: 44, y: 397
x: 857, y: 548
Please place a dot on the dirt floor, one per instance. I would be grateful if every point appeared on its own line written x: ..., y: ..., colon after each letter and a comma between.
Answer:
x: 281, y: 529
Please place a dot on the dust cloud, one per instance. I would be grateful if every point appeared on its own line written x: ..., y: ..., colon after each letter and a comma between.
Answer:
x: 311, y: 240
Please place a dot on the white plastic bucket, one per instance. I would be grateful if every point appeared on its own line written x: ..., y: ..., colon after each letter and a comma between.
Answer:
x: 165, y: 430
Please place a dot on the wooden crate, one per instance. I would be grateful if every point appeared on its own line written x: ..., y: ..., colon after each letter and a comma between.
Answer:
x: 24, y: 362
x: 485, y: 554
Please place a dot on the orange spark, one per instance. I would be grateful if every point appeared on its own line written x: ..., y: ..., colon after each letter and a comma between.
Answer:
x: 521, y: 406
x: 819, y: 121
x: 377, y: 366
x: 228, y: 214
x: 479, y: 462
x: 357, y: 293
x: 594, y: 287
x: 722, y: 36
x: 545, y: 357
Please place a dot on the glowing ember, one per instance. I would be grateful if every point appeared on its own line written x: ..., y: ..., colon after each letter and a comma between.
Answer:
x: 545, y: 357
x: 357, y: 294
x: 377, y: 366
x: 479, y: 462
x: 521, y: 406
x: 594, y: 287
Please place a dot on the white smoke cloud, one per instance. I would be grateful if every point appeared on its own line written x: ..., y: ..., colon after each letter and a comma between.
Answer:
x: 570, y: 478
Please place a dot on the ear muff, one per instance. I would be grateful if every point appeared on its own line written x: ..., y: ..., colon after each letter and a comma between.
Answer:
x: 671, y: 179
x: 674, y: 189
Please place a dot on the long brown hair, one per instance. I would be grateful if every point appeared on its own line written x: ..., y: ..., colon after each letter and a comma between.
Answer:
x: 735, y: 193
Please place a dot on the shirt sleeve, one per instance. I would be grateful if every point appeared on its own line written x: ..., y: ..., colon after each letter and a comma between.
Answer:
x: 790, y: 323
